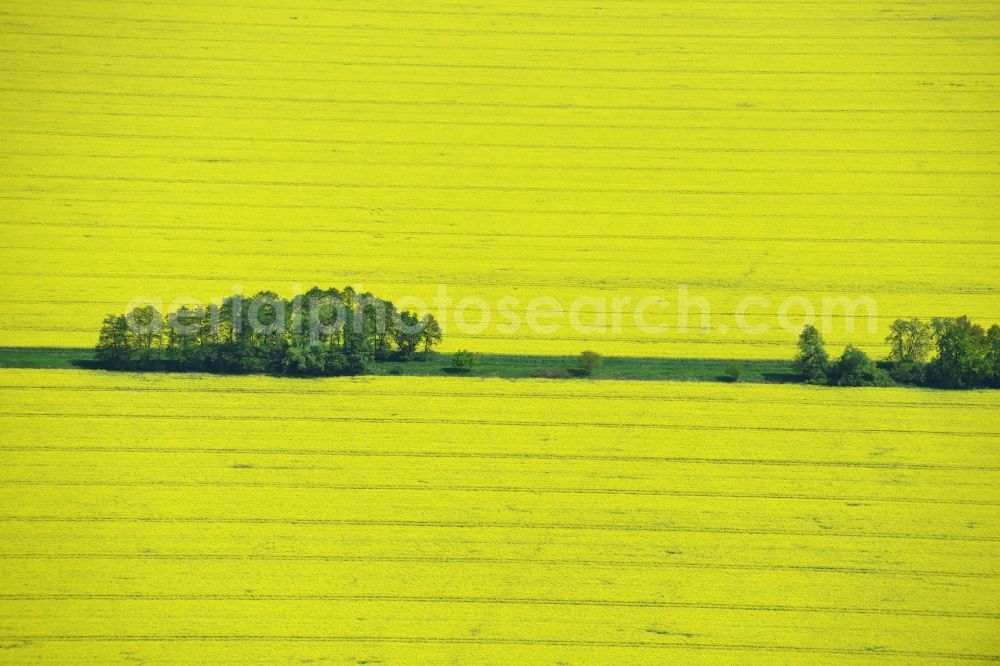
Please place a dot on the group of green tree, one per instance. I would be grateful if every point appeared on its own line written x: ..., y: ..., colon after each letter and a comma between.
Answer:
x: 945, y: 352
x: 322, y: 332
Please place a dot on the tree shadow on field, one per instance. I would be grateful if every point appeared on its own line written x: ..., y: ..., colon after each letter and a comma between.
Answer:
x: 782, y: 378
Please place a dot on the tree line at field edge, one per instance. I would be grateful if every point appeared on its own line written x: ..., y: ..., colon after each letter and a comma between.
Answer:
x: 945, y: 352
x: 323, y: 332
x: 327, y: 332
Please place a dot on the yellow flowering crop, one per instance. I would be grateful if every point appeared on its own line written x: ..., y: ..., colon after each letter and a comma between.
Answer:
x: 200, y: 518
x: 517, y: 149
x: 782, y: 151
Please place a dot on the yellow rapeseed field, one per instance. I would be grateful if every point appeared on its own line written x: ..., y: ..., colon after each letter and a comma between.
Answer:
x: 411, y: 520
x: 522, y: 149
x: 725, y: 149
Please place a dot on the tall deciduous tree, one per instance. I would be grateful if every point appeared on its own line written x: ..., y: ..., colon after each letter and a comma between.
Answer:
x: 430, y: 334
x: 962, y: 357
x: 812, y: 360
x: 183, y: 343
x: 145, y: 325
x: 408, y: 333
x: 910, y: 341
x: 114, y: 348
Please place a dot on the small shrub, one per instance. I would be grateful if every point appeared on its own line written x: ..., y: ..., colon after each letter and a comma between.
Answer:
x: 396, y: 370
x: 734, y: 372
x: 909, y: 373
x: 855, y: 368
x: 589, y: 361
x: 465, y: 360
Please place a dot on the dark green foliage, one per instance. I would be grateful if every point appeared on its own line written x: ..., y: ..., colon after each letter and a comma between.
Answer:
x: 965, y: 355
x: 589, y: 361
x: 407, y: 334
x: 962, y: 360
x: 734, y: 371
x: 855, y: 368
x: 145, y: 325
x: 812, y: 360
x: 359, y: 353
x: 323, y: 332
x: 464, y: 360
x: 431, y: 334
x: 114, y: 347
x: 908, y: 373
x: 184, y: 347
x: 911, y: 341
x: 304, y: 359
x: 993, y: 355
